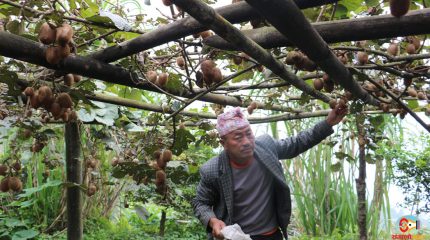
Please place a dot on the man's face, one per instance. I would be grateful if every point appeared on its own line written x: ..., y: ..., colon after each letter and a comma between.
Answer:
x: 239, y: 144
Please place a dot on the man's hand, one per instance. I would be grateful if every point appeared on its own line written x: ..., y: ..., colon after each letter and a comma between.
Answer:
x: 216, y: 226
x: 338, y: 113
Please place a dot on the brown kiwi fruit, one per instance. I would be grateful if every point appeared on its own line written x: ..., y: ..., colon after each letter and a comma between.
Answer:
x: 422, y: 96
x: 167, y: 2
x: 206, y: 34
x: 237, y: 60
x: 180, y: 62
x: 4, y: 185
x: 410, y: 48
x: 293, y: 57
x: 166, y: 155
x: 393, y: 49
x: 385, y: 107
x: 64, y: 100
x: 160, y: 177
x: 250, y: 110
x: 15, y: 184
x: 46, y: 34
x: 73, y: 116
x: 162, y: 79
x: 216, y: 75
x: 55, y: 109
x: 206, y: 66
x: 64, y: 35
x: 29, y: 91
x: 63, y: 51
x: 362, y: 58
x: 37, y: 147
x: 66, y: 116
x: 92, y: 189
x: 3, y: 169
x: 332, y: 103
x: 52, y: 55
x: 414, y: 40
x: 114, y: 162
x: 412, y: 92
x: 161, y: 163
x: 34, y: 100
x: 318, y: 84
x: 348, y: 95
x: 69, y: 80
x: 45, y: 94
x: 77, y: 78
x: 27, y: 133
x: 152, y: 76
x: 399, y: 8
x: 17, y: 166
x: 253, y: 105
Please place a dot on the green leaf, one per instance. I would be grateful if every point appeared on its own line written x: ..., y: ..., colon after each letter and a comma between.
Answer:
x: 86, y: 115
x: 11, y: 79
x: 182, y: 139
x: 30, y: 191
x: 350, y: 5
x: 413, y: 104
x: 376, y: 121
x: 336, y: 167
x: 25, y: 234
x: 13, y: 222
x: 372, y: 3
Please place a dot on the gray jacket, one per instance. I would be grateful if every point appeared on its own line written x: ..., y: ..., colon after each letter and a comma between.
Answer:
x: 215, y: 191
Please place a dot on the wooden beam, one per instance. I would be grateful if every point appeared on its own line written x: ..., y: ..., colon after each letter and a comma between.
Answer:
x: 207, y: 16
x: 287, y: 18
x: 365, y: 28
x: 235, y: 13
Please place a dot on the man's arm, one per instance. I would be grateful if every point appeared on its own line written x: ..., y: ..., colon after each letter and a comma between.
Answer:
x: 293, y: 146
x: 204, y: 201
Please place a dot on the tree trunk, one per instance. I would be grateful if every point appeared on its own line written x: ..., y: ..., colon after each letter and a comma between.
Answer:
x: 162, y: 223
x: 74, y: 175
x: 361, y: 180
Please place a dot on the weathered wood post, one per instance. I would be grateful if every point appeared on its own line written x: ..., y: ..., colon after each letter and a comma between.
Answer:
x: 74, y: 175
x: 361, y: 180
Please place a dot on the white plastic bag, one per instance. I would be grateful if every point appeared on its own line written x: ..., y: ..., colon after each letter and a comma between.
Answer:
x: 234, y: 232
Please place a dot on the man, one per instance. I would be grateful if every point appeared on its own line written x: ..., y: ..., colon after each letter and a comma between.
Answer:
x: 245, y: 183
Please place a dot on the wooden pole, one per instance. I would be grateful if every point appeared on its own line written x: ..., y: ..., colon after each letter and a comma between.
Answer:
x: 361, y: 180
x: 74, y: 175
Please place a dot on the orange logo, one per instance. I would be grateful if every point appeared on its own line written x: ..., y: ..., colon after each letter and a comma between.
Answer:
x: 408, y: 223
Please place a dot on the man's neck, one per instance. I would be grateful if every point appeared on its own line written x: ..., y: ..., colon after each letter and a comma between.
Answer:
x: 241, y: 163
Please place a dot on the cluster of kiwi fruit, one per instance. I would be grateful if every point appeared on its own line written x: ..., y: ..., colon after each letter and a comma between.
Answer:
x: 238, y: 59
x: 58, y: 105
x: 412, y: 45
x: 252, y: 106
x: 210, y: 73
x: 157, y: 79
x: 399, y: 8
x: 10, y: 182
x: 325, y: 83
x: 180, y: 61
x: 62, y: 35
x: 162, y: 158
x: 300, y: 61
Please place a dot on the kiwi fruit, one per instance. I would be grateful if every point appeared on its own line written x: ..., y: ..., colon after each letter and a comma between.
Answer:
x: 46, y: 34
x: 293, y: 57
x: 343, y: 58
x: 114, y: 162
x: 332, y: 103
x: 412, y: 92
x: 410, y: 48
x: 199, y: 79
x: 69, y: 80
x: 415, y: 41
x: 318, y: 84
x: 160, y: 177
x: 348, y: 95
x: 34, y: 100
x: 73, y: 116
x: 206, y: 34
x: 306, y: 64
x: 180, y: 62
x: 37, y: 147
x: 161, y: 163
x: 91, y: 189
x: 3, y: 169
x: 64, y: 35
x: 55, y: 109
x: 216, y: 75
x: 250, y: 110
x: 399, y: 8
x: 385, y: 107
x: 166, y: 155
x: 422, y: 96
x: 152, y: 76
x: 64, y: 100
x: 167, y: 2
x: 237, y: 60
x: 92, y: 163
x: 4, y: 185
x: 52, y: 55
x: 16, y: 166
x: 157, y: 154
x: 77, y: 78
x: 15, y: 184
x: 45, y: 94
x: 253, y: 104
x: 362, y: 58
x: 29, y: 91
x: 65, y: 116
x: 162, y: 79
x: 26, y: 133
x: 206, y: 66
x: 393, y: 49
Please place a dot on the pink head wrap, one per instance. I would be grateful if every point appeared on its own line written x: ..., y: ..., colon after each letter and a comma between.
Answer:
x: 230, y: 121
